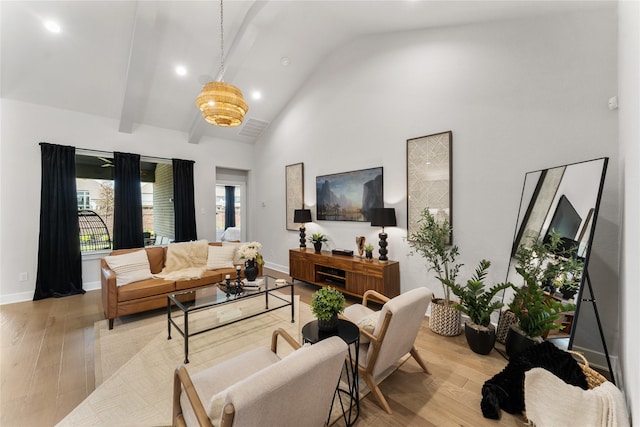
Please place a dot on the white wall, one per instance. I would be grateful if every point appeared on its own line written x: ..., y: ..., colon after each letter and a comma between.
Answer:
x: 25, y: 125
x: 629, y: 92
x: 519, y: 96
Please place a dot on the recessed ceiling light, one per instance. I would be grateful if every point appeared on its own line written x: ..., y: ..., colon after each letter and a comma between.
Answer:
x: 52, y: 26
x: 181, y: 70
x: 285, y: 61
x: 256, y: 95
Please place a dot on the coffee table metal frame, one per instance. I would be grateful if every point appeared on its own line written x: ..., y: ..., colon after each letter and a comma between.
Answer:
x: 350, y: 334
x: 215, y: 297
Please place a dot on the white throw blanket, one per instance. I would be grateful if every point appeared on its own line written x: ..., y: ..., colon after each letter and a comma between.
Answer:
x: 185, y: 261
x: 549, y: 401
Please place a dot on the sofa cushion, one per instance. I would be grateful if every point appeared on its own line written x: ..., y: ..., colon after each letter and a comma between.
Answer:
x: 145, y: 288
x: 209, y: 277
x: 220, y: 257
x: 237, y: 259
x: 154, y: 253
x: 129, y: 267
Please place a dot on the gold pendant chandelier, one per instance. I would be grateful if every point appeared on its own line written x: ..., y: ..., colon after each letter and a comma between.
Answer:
x: 222, y: 103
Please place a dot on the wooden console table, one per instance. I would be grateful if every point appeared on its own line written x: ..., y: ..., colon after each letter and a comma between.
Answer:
x: 350, y: 274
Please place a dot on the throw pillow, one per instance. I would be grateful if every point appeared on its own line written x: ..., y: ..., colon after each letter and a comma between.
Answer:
x: 129, y: 267
x: 216, y: 404
x: 236, y: 257
x: 220, y: 257
x: 368, y: 323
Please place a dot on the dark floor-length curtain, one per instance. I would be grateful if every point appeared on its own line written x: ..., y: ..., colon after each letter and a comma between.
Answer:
x: 59, y: 260
x: 184, y: 207
x: 230, y: 206
x: 127, y: 213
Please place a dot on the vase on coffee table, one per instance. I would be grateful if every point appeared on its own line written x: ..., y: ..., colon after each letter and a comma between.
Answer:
x: 250, y: 270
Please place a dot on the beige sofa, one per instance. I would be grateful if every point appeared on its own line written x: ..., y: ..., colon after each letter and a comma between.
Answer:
x: 150, y: 293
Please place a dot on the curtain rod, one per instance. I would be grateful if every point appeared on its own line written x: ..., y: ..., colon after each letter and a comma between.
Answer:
x: 110, y: 153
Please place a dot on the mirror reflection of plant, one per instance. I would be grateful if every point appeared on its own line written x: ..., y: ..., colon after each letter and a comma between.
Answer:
x: 475, y: 301
x: 430, y: 241
x: 551, y: 264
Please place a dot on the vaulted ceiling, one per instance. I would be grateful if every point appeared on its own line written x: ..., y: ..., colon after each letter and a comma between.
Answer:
x: 117, y: 58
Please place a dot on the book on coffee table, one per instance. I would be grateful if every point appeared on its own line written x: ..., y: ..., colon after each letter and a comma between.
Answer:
x: 253, y: 285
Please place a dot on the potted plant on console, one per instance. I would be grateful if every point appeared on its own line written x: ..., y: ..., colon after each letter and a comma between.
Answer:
x: 326, y: 304
x: 478, y: 304
x: 250, y: 252
x: 317, y: 239
x: 431, y: 240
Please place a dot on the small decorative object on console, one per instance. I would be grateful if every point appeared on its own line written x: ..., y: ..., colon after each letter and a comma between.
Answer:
x: 345, y: 252
x: 360, y: 242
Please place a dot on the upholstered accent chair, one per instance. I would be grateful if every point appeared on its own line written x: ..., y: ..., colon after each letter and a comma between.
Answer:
x: 388, y: 335
x: 258, y: 388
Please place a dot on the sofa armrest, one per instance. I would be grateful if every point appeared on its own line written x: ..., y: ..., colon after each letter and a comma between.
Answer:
x: 109, y: 292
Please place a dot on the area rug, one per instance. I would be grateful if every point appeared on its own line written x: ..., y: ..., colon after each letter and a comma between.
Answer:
x: 139, y: 392
x: 134, y: 362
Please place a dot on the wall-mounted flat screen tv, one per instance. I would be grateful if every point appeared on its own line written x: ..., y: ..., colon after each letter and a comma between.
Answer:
x: 349, y: 196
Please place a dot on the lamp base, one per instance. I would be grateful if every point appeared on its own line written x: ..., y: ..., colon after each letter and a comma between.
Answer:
x: 383, y: 248
x: 303, y: 239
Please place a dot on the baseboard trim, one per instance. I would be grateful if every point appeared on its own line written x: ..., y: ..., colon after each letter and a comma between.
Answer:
x: 28, y: 296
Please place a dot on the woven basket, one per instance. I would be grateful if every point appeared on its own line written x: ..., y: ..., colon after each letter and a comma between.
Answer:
x: 594, y: 378
x: 444, y: 319
x: 507, y: 318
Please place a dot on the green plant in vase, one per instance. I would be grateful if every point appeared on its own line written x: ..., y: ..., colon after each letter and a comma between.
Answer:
x: 326, y: 304
x: 431, y: 241
x: 368, y: 251
x: 317, y: 239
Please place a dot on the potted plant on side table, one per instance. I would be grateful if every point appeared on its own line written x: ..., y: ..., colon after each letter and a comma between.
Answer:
x: 478, y: 304
x: 326, y: 304
x: 431, y: 240
x: 317, y: 239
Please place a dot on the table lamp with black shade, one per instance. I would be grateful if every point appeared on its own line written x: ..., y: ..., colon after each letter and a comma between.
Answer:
x: 302, y: 216
x: 383, y: 217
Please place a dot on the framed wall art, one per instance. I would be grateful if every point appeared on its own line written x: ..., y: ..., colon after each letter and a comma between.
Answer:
x: 429, y: 173
x: 349, y: 196
x: 294, y: 181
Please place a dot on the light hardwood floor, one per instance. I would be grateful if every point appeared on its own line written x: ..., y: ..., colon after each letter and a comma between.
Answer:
x: 47, y: 368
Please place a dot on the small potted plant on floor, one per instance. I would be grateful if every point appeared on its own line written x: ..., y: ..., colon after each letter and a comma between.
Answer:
x: 317, y: 239
x: 431, y: 241
x: 478, y: 304
x: 326, y: 304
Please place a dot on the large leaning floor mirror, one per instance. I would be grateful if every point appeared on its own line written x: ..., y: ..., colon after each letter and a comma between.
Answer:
x: 551, y: 248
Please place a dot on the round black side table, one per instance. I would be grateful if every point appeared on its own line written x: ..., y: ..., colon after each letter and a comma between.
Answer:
x: 350, y: 334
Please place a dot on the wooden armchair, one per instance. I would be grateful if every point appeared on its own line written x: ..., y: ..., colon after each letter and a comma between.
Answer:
x: 390, y: 336
x: 258, y: 388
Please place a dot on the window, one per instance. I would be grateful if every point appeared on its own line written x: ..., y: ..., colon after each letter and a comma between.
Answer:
x: 94, y: 175
x: 83, y: 200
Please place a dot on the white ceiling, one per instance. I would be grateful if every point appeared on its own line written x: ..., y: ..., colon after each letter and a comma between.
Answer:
x: 117, y: 58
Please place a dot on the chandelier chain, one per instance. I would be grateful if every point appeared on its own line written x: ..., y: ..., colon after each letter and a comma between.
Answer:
x: 221, y: 41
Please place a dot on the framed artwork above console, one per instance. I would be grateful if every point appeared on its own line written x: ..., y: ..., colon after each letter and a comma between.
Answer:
x: 349, y: 196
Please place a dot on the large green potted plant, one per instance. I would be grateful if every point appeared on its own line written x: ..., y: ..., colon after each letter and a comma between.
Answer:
x: 478, y: 303
x: 537, y: 311
x: 431, y: 241
x: 326, y: 304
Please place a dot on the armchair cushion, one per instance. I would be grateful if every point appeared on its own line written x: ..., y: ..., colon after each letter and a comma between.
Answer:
x: 218, y: 378
x: 368, y: 323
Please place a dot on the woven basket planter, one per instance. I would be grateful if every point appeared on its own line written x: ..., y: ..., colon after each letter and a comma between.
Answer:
x: 444, y: 320
x: 507, y: 318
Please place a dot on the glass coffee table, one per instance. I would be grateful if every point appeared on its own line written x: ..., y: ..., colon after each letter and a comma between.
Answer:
x: 192, y: 302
